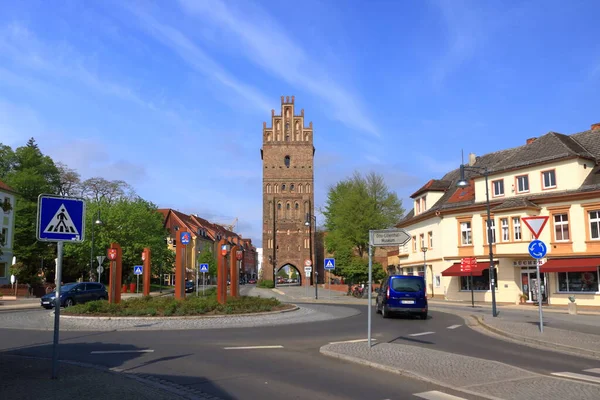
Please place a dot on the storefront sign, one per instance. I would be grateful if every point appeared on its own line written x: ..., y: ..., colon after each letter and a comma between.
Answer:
x: 527, y: 263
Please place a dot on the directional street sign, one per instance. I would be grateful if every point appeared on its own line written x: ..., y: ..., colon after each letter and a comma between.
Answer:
x: 100, y: 259
x: 535, y: 224
x: 185, y: 237
x: 389, y: 237
x: 203, y: 267
x: 537, y: 249
x: 60, y: 219
x: 138, y: 270
x: 330, y: 263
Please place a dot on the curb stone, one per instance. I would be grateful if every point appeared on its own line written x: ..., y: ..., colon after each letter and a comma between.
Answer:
x: 295, y: 308
x: 403, y: 372
x: 560, y: 348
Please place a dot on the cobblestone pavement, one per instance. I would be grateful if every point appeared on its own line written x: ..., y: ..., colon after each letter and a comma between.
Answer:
x: 471, y: 375
x: 25, y: 378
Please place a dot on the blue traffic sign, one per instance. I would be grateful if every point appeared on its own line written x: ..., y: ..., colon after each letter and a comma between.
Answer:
x: 330, y: 263
x: 537, y: 249
x: 185, y: 237
x: 138, y: 269
x: 203, y: 267
x: 60, y: 219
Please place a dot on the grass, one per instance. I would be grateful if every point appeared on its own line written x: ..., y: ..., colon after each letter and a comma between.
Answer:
x: 169, y: 306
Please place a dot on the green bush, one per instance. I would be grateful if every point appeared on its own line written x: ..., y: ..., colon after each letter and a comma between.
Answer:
x: 169, y: 306
x: 266, y: 283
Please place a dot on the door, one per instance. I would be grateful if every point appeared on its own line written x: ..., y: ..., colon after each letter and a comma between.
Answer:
x: 530, y: 288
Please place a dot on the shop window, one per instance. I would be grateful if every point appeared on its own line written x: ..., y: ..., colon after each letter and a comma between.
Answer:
x: 561, y: 227
x: 498, y: 188
x: 465, y: 233
x: 594, y: 225
x: 517, y: 227
x: 479, y: 282
x: 578, y: 282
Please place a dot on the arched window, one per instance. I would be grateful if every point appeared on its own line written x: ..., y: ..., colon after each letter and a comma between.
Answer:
x: 308, y: 188
x: 269, y: 188
x: 276, y: 187
x: 292, y: 187
x: 297, y: 206
x: 286, y: 161
x: 287, y: 126
x: 279, y: 206
x: 300, y: 188
x: 283, y: 187
x: 268, y: 137
x: 278, y: 210
x: 288, y: 206
x: 287, y: 138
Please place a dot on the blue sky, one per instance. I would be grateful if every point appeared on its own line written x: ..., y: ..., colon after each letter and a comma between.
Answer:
x: 171, y: 96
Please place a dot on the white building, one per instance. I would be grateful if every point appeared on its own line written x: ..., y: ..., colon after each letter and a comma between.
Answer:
x: 7, y: 228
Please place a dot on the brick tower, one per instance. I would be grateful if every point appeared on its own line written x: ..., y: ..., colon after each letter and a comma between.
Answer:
x: 288, y: 181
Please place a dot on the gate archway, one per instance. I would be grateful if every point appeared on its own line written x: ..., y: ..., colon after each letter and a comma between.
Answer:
x: 289, y: 274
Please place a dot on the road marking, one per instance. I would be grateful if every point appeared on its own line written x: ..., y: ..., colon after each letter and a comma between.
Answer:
x: 421, y: 334
x: 354, y: 341
x: 278, y: 291
x: 454, y: 326
x: 253, y: 347
x: 121, y: 351
x: 435, y: 395
x: 593, y: 370
x: 580, y: 377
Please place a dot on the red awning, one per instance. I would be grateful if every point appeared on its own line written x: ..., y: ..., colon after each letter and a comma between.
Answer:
x: 571, y: 265
x: 454, y: 270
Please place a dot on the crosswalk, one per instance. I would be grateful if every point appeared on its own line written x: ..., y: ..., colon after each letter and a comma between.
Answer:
x: 592, y: 375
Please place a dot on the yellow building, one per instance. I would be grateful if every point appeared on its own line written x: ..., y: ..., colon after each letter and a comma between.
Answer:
x: 555, y: 175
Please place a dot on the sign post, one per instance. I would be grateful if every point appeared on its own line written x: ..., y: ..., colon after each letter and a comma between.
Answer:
x: 307, y: 274
x: 100, y: 268
x: 466, y: 265
x: 537, y: 249
x: 204, y: 270
x: 383, y: 237
x: 59, y: 219
x: 138, y: 270
x: 329, y: 266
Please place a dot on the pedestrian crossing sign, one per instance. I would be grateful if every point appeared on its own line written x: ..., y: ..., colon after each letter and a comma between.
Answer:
x: 330, y: 263
x: 203, y: 267
x: 60, y: 219
x: 138, y: 270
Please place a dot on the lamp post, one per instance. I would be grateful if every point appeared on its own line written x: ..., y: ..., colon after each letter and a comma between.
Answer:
x: 424, y: 250
x: 462, y: 183
x: 97, y: 222
x: 309, y: 219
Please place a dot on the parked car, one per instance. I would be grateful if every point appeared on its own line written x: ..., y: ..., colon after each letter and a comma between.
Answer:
x: 189, y: 286
x: 75, y: 293
x: 252, y: 281
x: 402, y: 294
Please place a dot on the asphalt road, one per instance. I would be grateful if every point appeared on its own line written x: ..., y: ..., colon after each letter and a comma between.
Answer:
x: 199, y: 358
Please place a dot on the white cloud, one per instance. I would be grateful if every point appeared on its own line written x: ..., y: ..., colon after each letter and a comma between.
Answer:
x: 266, y: 44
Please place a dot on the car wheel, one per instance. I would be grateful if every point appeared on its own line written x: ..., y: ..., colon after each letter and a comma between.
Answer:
x: 69, y: 302
x: 384, y: 312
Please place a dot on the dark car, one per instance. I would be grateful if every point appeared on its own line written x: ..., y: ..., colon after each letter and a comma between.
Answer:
x: 76, y: 293
x: 189, y: 286
x: 251, y: 281
x: 402, y: 294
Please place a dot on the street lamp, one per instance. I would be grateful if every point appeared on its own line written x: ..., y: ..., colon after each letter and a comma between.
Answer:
x: 463, y: 183
x: 97, y: 222
x: 308, y: 222
x: 424, y: 250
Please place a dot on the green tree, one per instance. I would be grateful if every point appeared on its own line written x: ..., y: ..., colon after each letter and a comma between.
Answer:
x: 353, y: 207
x: 30, y: 173
x: 206, y: 256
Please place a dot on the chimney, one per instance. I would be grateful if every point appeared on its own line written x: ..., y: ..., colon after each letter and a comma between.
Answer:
x: 472, y: 159
x: 596, y: 127
x: 530, y: 140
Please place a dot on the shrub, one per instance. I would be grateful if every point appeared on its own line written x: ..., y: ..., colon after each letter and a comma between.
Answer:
x: 266, y: 283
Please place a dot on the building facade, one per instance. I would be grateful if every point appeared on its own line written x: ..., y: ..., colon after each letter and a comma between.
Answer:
x: 555, y: 175
x: 7, y: 231
x: 288, y: 181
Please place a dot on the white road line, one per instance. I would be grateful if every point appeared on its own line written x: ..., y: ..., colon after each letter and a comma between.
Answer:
x: 454, y: 326
x: 278, y: 291
x: 593, y: 370
x: 354, y: 341
x: 435, y: 395
x: 580, y: 377
x: 421, y: 334
x: 121, y: 351
x: 253, y: 347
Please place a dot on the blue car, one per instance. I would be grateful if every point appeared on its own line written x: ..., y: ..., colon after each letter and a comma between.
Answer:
x: 75, y: 293
x: 402, y: 294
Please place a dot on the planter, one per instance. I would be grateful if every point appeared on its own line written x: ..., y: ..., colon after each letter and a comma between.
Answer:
x: 124, y: 288
x: 132, y: 287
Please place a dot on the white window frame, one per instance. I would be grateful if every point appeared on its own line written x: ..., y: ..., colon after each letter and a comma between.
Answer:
x: 550, y: 173
x: 430, y: 237
x: 496, y: 192
x: 505, y: 229
x: 522, y: 178
x: 466, y: 230
x: 561, y: 223
x: 595, y: 221
x: 517, y: 228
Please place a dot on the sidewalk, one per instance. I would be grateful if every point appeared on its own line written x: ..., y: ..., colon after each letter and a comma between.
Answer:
x: 27, y: 378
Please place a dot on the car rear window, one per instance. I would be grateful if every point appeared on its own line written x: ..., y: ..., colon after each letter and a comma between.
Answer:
x: 407, y: 285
